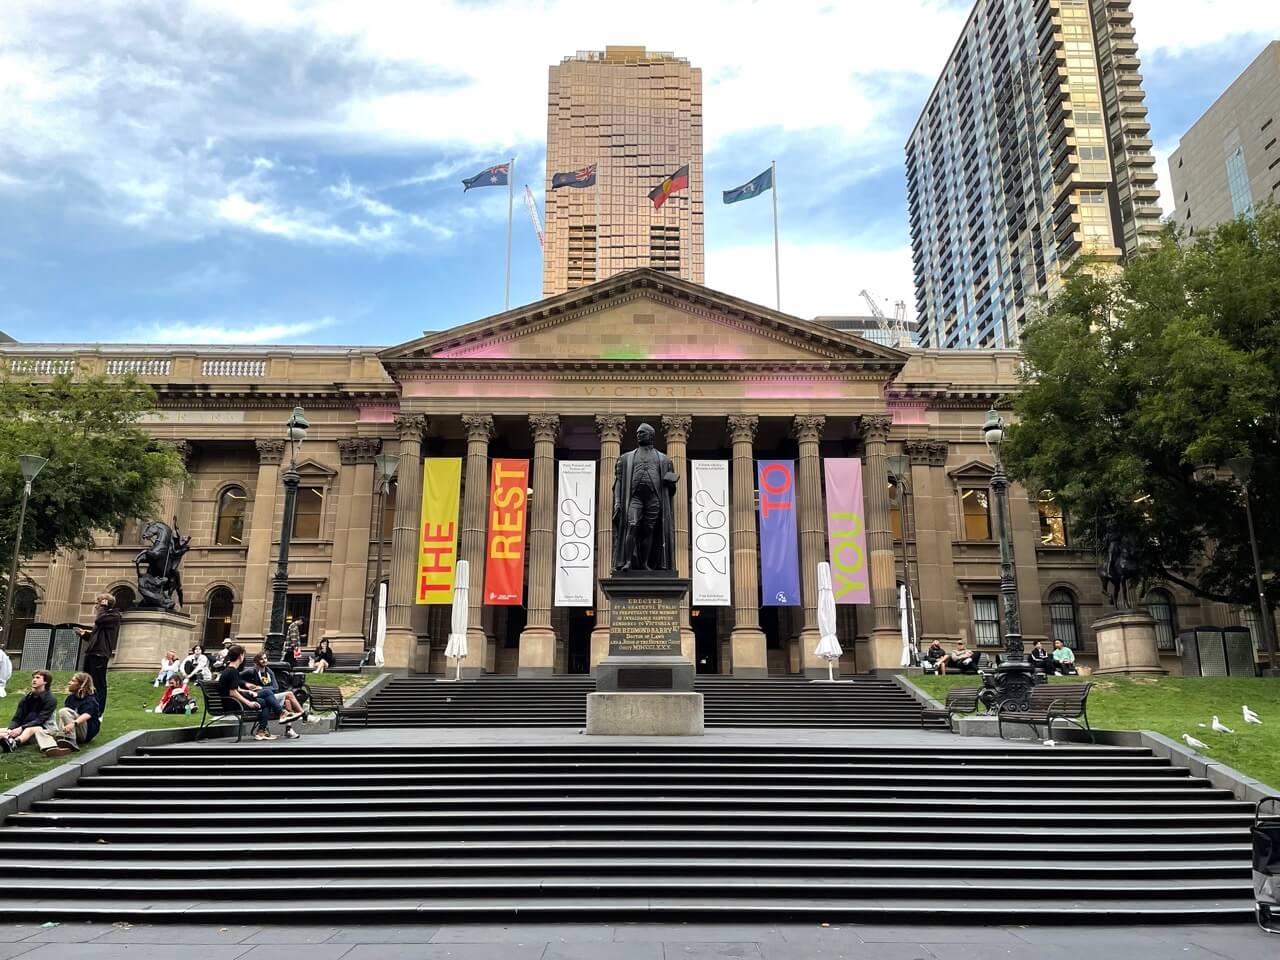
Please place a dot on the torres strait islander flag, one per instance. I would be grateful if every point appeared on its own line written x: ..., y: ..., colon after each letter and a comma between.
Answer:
x: 677, y: 181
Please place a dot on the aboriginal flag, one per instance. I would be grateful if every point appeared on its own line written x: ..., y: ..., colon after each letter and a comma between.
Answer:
x: 586, y: 177
x: 677, y: 181
x: 495, y: 176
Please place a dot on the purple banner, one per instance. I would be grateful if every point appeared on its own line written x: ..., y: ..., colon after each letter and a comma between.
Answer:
x: 847, y: 531
x: 779, y: 559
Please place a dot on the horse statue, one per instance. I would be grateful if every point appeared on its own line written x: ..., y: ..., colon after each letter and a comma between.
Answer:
x: 159, y: 582
x: 1122, y: 573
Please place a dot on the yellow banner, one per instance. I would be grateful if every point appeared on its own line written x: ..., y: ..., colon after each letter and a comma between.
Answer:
x: 438, y: 543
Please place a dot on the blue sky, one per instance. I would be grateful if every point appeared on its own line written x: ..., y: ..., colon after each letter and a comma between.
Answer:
x: 281, y: 171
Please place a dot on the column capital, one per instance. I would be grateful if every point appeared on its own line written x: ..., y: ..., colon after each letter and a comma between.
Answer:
x: 743, y: 428
x: 270, y: 451
x: 352, y: 450
x: 545, y: 427
x: 676, y: 428
x: 876, y: 426
x: 931, y: 453
x: 808, y: 429
x: 610, y: 426
x: 410, y: 426
x: 479, y: 426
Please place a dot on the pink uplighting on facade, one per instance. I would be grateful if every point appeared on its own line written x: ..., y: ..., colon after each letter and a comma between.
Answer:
x: 379, y: 413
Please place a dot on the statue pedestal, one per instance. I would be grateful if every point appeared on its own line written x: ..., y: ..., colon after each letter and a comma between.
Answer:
x: 146, y: 634
x: 644, y: 687
x: 1127, y: 645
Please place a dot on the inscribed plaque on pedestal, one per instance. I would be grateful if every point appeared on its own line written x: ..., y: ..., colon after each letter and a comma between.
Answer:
x: 504, y: 554
x: 709, y: 533
x: 576, y: 534
x: 438, y: 542
x: 779, y: 532
x: 847, y: 530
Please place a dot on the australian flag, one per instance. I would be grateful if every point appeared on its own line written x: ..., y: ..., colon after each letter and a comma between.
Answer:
x: 752, y: 188
x: 495, y: 176
x: 586, y: 177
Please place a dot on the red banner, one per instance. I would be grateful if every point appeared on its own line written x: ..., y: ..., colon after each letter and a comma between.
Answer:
x: 504, y: 555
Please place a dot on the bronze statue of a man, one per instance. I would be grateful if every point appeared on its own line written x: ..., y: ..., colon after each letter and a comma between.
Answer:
x: 643, y: 521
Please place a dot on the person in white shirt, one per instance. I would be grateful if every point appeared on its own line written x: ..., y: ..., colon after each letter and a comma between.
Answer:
x: 195, y: 666
x: 168, y: 667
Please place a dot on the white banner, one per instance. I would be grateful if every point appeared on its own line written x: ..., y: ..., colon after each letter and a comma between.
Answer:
x: 710, y: 533
x: 576, y: 534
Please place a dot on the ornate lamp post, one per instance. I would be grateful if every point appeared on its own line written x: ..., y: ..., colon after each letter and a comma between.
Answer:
x: 295, y: 433
x: 31, y: 466
x: 1242, y: 469
x: 386, y: 465
x: 899, y: 470
x: 1012, y: 681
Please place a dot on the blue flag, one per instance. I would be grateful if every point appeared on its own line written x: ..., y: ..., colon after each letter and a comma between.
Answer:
x: 752, y: 188
x: 586, y: 177
x: 495, y: 176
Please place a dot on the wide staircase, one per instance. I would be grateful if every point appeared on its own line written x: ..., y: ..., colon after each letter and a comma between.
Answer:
x: 392, y: 829
x: 562, y: 702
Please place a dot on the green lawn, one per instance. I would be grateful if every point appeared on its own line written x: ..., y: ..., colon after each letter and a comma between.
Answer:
x: 131, y: 702
x: 1177, y: 705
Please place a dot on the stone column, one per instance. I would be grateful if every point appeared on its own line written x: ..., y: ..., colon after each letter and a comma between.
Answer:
x: 401, y: 642
x: 257, y: 569
x: 354, y: 533
x: 64, y: 600
x: 886, y: 637
x: 173, y: 499
x: 676, y: 431
x: 610, y: 427
x: 475, y: 499
x: 750, y: 659
x: 933, y: 567
x: 538, y: 639
x: 808, y: 432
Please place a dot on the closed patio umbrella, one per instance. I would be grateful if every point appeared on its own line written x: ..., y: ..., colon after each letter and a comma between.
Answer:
x: 457, y: 647
x: 380, y: 635
x: 828, y: 646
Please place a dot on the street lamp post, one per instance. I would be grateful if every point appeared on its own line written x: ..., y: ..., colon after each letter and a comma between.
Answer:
x: 1242, y: 469
x: 1013, y: 679
x: 31, y: 466
x: 295, y: 433
x: 386, y: 465
x: 899, y: 465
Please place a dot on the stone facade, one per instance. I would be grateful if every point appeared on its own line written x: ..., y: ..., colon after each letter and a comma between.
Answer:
x: 570, y: 377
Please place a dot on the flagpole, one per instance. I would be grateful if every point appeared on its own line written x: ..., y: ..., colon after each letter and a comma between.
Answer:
x: 511, y: 179
x: 777, y: 273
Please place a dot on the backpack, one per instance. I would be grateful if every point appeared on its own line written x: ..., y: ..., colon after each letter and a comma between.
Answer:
x: 177, y: 703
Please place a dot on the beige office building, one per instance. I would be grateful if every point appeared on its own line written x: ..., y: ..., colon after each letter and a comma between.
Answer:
x: 1229, y: 161
x: 637, y: 115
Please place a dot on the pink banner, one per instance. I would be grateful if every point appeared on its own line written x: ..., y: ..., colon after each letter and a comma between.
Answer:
x: 847, y: 530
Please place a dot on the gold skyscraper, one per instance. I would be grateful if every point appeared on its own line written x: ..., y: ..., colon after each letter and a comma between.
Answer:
x: 637, y: 114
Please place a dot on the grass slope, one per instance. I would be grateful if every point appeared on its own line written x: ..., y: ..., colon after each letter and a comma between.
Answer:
x: 1177, y: 705
x: 131, y: 700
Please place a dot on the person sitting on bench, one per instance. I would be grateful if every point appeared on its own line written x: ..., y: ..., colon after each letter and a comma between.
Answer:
x: 34, y: 714
x: 959, y: 660
x: 262, y: 675
x: 250, y: 696
x: 1064, y: 659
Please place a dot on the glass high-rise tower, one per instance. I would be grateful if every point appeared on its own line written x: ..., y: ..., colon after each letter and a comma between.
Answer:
x: 1032, y: 152
x: 637, y: 115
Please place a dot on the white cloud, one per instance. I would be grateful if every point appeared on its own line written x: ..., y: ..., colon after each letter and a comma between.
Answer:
x: 1176, y: 26
x: 218, y: 331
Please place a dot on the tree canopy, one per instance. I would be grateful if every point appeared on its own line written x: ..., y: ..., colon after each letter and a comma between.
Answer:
x: 1139, y: 381
x: 103, y: 468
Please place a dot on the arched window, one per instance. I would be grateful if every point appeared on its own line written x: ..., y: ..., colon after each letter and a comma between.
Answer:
x: 218, y: 610
x: 1163, y: 611
x: 125, y: 598
x: 24, y: 613
x: 1062, y: 618
x: 229, y: 529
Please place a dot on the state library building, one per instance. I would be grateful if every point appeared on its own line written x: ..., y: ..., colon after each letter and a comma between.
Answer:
x: 512, y: 426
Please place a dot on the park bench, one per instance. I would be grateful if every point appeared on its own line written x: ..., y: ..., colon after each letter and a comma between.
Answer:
x: 1050, y: 702
x: 959, y: 700
x: 322, y: 699
x: 343, y: 662
x: 217, y: 707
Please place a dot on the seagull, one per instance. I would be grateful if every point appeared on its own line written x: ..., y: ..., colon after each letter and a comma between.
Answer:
x: 1220, y: 727
x: 1194, y: 743
x: 1250, y: 716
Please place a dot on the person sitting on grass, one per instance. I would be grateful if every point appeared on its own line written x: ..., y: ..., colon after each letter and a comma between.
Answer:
x: 34, y: 713
x: 195, y: 666
x: 174, y: 687
x: 1064, y: 659
x: 262, y: 674
x: 250, y: 696
x: 322, y: 659
x: 77, y: 722
x: 168, y: 667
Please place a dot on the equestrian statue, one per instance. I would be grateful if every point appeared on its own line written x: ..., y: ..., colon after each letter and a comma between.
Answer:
x: 159, y: 582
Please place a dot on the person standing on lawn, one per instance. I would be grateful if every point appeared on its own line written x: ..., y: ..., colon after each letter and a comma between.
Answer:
x: 102, y: 644
x: 76, y: 723
x: 34, y: 713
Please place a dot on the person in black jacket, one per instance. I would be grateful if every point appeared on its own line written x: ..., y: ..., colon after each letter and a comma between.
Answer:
x: 34, y: 713
x: 77, y: 722
x: 102, y: 644
x: 1040, y: 658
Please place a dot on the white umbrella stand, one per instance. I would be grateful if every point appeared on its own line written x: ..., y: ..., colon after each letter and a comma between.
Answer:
x: 828, y: 646
x: 457, y: 647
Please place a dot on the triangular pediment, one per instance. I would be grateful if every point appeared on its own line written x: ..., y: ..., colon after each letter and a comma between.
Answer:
x: 974, y: 470
x: 644, y: 316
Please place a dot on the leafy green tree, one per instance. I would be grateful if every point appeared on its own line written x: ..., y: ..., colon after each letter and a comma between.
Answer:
x: 1141, y: 380
x: 103, y: 468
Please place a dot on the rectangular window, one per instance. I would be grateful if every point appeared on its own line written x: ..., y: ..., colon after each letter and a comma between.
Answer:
x: 1249, y: 618
x: 307, y: 513
x: 977, y: 514
x: 1238, y: 184
x: 986, y: 621
x: 895, y: 512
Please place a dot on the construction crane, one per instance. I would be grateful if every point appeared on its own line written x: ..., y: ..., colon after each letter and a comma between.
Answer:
x: 533, y: 215
x: 895, y: 329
